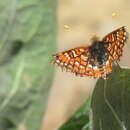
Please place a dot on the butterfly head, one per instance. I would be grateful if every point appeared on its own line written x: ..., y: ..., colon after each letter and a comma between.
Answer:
x: 94, y: 38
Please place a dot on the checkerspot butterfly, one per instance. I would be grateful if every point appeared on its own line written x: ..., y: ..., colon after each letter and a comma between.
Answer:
x: 94, y: 60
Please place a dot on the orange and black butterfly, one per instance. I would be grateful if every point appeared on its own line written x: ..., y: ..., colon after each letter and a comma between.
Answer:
x: 94, y: 60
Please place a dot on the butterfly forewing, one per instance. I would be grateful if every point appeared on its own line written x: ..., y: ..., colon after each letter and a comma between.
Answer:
x: 115, y: 43
x: 79, y: 61
x: 74, y: 60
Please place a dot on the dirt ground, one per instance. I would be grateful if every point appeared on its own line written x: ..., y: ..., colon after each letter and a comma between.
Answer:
x: 84, y: 18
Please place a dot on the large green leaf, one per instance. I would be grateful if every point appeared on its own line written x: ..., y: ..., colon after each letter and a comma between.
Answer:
x: 27, y: 41
x: 110, y: 103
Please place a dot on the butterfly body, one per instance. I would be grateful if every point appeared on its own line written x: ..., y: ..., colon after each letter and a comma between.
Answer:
x: 99, y: 53
x: 94, y: 60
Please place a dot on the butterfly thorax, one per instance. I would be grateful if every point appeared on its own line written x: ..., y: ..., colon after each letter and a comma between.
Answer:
x: 98, y: 52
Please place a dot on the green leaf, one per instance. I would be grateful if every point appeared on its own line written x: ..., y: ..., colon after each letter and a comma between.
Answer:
x: 111, y: 102
x: 27, y: 41
x: 80, y: 120
x: 109, y: 105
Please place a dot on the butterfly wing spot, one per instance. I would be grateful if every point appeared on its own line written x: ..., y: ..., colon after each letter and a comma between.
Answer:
x: 77, y: 59
x: 55, y: 60
x: 82, y: 69
x: 111, y: 51
x: 121, y: 45
x: 72, y: 61
x: 63, y: 58
x: 77, y: 63
x: 113, y: 38
x: 95, y: 67
x: 115, y: 47
x: 107, y: 63
x: 83, y: 63
x: 89, y: 65
x: 84, y: 58
x: 74, y: 53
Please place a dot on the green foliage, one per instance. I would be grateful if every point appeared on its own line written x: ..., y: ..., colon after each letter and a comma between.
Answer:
x: 80, y: 120
x: 110, y: 103
x: 27, y: 41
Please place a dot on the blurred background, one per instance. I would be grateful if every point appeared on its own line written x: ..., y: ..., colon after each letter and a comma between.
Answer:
x: 77, y: 22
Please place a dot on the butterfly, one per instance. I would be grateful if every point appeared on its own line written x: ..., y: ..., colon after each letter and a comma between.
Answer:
x: 94, y: 60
